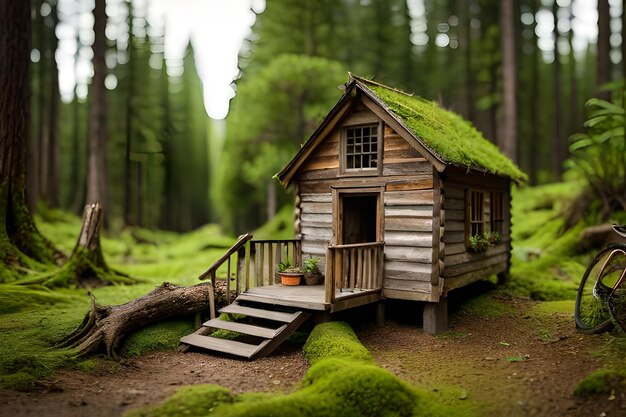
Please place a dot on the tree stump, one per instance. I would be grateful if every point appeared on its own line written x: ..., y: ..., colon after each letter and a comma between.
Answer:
x: 86, y: 267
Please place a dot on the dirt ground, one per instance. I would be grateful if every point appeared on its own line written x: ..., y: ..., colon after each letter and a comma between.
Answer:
x: 511, y: 365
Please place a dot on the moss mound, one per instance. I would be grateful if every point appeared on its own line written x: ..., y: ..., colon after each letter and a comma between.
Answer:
x: 194, y: 400
x: 335, y: 340
x: 602, y: 381
x: 342, y: 381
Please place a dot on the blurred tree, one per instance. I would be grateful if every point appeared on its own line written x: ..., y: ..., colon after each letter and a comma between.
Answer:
x: 21, y: 244
x: 271, y: 116
x: 96, y: 165
x: 603, y: 48
x: 507, y: 140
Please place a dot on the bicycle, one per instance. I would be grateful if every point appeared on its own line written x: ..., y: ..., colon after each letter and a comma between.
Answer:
x: 601, y: 297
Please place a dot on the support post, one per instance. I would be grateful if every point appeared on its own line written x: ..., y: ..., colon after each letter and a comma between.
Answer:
x: 380, y: 313
x: 436, y: 316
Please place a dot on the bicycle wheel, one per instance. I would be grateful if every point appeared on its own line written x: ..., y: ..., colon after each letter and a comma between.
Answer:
x: 591, y: 311
x: 617, y: 282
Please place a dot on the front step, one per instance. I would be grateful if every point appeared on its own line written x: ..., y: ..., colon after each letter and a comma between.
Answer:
x: 287, y: 323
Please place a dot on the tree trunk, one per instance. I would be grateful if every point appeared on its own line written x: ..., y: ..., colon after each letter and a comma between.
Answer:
x: 128, y: 175
x: 557, y: 141
x: 534, y: 139
x: 604, y: 48
x: 104, y: 327
x: 52, y: 186
x: 96, y: 166
x: 86, y: 268
x: 508, y: 138
x: 20, y: 241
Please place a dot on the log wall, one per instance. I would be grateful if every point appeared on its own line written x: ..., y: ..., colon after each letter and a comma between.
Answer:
x: 407, y: 179
x: 460, y: 265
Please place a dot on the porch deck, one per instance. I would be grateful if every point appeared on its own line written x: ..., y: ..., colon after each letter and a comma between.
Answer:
x: 353, y: 275
x: 310, y: 297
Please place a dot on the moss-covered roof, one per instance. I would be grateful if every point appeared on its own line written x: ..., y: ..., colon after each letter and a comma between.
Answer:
x: 447, y: 135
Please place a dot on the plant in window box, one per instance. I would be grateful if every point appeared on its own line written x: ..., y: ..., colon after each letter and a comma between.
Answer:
x: 289, y: 273
x: 312, y: 274
x: 482, y: 242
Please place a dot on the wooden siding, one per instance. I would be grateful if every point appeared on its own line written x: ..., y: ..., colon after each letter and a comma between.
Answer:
x: 462, y: 266
x: 407, y: 181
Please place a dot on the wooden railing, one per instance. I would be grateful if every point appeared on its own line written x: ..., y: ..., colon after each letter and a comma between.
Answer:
x: 255, y: 265
x: 353, y: 268
x: 238, y: 248
x: 263, y: 258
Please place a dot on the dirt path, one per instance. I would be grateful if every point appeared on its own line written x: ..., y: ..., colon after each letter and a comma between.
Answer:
x: 513, y: 365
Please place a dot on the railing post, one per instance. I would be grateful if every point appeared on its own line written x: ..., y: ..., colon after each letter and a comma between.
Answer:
x: 329, y: 279
x: 247, y: 262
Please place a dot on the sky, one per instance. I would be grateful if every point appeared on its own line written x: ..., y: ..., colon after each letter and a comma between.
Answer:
x: 218, y: 28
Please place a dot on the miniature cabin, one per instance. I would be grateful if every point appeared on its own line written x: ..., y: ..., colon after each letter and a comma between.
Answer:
x: 400, y: 198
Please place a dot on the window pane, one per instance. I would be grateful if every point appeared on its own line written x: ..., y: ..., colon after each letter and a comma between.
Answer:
x: 361, y: 147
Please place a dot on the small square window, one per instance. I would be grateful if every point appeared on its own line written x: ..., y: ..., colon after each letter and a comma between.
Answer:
x: 361, y: 147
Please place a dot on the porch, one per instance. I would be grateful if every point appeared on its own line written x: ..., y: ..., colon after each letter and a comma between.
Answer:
x: 353, y: 275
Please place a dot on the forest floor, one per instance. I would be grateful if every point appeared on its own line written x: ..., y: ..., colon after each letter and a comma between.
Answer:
x: 503, y: 356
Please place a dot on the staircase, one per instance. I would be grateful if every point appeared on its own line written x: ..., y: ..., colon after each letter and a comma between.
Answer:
x: 261, y: 329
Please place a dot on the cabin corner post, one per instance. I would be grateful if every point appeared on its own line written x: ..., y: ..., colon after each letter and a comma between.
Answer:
x: 436, y: 316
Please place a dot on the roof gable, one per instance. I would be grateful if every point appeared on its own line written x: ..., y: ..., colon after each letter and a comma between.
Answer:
x: 442, y: 136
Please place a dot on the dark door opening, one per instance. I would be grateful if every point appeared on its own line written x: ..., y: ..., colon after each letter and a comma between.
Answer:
x: 359, y: 218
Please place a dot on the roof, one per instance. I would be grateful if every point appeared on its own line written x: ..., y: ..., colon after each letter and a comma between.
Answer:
x: 446, y: 137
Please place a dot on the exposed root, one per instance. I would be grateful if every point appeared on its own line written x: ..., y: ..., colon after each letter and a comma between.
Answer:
x: 104, y: 327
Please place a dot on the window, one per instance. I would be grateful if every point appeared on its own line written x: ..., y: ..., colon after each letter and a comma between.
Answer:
x: 497, y: 212
x: 474, y: 213
x: 361, y: 148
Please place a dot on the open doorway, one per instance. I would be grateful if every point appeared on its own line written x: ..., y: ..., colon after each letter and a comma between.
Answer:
x: 359, y: 218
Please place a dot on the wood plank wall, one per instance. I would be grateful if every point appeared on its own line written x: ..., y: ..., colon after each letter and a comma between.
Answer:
x: 462, y: 266
x: 408, y: 205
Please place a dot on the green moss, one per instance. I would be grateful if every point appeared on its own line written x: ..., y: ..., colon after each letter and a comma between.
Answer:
x: 15, y: 298
x: 545, y: 263
x: 602, y: 381
x: 194, y: 400
x: 450, y: 137
x: 487, y: 307
x: 342, y: 381
x: 158, y: 336
x: 334, y: 340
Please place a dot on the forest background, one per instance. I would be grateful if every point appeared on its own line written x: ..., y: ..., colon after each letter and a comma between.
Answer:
x: 518, y: 70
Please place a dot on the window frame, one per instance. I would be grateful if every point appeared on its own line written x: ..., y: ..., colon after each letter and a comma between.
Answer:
x: 343, y: 166
x: 471, y: 208
x: 496, y: 212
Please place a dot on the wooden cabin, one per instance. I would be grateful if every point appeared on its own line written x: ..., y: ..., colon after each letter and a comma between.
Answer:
x: 385, y: 166
x: 400, y: 198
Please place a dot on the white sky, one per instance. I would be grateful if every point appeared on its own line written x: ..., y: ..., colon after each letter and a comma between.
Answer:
x: 217, y: 29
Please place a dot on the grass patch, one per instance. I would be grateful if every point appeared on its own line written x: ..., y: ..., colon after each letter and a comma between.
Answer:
x: 342, y: 381
x: 602, y: 381
x: 545, y: 265
x: 485, y: 306
x: 280, y: 227
x: 159, y: 336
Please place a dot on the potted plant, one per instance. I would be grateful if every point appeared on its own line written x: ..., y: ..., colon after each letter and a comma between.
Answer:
x: 312, y: 274
x: 289, y: 273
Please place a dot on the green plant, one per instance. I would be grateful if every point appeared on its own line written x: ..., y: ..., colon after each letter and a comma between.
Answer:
x: 310, y: 265
x: 288, y: 266
x: 599, y: 154
x: 481, y: 242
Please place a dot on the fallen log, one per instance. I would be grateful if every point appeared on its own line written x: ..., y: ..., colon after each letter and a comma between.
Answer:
x: 104, y: 327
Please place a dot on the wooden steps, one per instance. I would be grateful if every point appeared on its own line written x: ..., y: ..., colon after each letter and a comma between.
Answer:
x: 264, y: 327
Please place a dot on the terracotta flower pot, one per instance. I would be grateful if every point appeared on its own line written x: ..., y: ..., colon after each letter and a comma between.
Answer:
x: 290, y: 278
x: 313, y: 278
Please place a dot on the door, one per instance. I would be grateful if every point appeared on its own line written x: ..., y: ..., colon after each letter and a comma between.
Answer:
x: 358, y: 216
